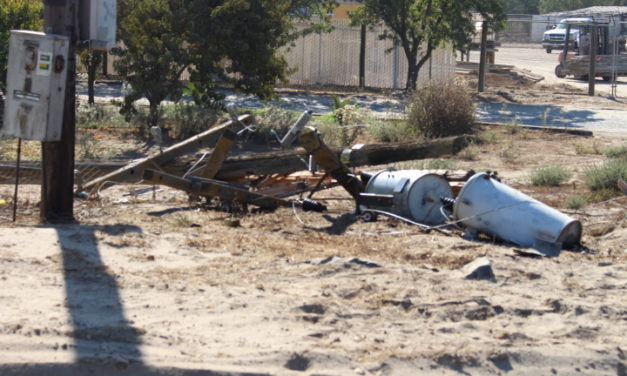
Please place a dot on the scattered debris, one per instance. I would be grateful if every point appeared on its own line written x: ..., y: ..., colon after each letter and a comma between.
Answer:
x: 354, y: 260
x: 478, y: 203
x: 480, y: 269
x: 136, y: 169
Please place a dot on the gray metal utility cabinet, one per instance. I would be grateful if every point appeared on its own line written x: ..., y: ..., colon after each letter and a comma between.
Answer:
x: 35, y: 90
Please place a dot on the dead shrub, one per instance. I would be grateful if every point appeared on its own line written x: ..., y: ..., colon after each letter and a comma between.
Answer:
x: 441, y: 110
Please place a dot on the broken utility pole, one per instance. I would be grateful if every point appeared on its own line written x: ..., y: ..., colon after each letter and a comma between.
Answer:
x: 57, y: 198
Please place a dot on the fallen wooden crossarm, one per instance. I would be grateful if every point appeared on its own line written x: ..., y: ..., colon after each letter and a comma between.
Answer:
x: 229, y: 192
x: 135, y: 169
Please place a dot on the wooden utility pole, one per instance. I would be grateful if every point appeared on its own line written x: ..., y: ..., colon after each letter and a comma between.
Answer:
x: 57, y: 198
x: 483, y: 56
x: 594, y: 47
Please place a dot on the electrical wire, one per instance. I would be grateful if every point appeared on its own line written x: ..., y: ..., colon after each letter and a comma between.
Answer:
x: 193, y: 168
x: 425, y: 228
x: 296, y: 213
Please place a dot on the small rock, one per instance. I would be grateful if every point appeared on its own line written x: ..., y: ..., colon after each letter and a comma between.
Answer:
x: 318, y: 309
x: 480, y: 269
x: 298, y: 362
x: 366, y: 263
x: 232, y: 222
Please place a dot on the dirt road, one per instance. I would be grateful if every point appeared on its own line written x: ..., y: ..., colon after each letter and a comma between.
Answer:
x: 535, y: 59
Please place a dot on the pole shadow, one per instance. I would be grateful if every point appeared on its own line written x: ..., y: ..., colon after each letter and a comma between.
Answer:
x: 105, y: 340
x: 100, y: 326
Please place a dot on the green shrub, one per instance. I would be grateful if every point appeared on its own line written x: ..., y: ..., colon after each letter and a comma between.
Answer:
x: 489, y: 137
x: 549, y: 176
x: 606, y: 175
x: 96, y: 116
x: 603, y: 194
x: 469, y: 153
x: 590, y: 148
x: 576, y: 202
x: 274, y: 118
x: 427, y: 164
x: 347, y: 115
x: 330, y: 133
x: 513, y: 127
x: 187, y: 119
x: 391, y: 131
x: 85, y: 146
x: 441, y: 110
x: 617, y: 152
x: 509, y: 154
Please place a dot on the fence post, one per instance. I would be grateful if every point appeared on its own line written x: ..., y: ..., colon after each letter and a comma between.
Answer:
x: 362, y: 58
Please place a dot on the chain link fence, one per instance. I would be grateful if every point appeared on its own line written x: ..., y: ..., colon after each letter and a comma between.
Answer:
x: 333, y: 59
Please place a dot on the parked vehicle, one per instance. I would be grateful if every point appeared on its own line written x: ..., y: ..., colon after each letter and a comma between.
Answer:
x: 553, y: 39
x: 610, y: 59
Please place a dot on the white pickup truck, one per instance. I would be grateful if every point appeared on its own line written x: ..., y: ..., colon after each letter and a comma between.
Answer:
x: 553, y: 39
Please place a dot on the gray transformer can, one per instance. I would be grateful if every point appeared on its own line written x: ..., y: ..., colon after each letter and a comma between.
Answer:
x: 416, y: 194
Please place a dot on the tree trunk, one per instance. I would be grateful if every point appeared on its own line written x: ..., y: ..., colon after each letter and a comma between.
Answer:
x: 91, y: 78
x: 153, y: 117
x: 412, y: 73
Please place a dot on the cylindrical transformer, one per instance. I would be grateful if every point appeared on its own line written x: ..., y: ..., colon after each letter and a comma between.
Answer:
x: 416, y: 194
x: 486, y: 205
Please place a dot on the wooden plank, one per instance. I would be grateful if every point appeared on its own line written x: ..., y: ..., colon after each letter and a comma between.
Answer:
x: 135, y: 169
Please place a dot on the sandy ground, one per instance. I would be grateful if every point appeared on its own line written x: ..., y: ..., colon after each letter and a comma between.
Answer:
x: 153, y: 286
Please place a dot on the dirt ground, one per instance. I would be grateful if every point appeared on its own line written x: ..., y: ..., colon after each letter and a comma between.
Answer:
x: 149, y: 284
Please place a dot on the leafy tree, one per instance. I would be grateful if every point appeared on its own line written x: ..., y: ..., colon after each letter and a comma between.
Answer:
x: 420, y: 26
x: 232, y: 41
x: 155, y: 53
x: 14, y: 15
